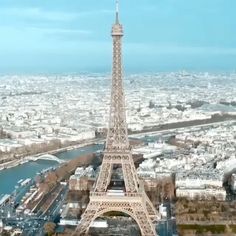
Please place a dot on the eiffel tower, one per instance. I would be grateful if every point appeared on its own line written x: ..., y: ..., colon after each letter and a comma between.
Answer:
x: 131, y: 199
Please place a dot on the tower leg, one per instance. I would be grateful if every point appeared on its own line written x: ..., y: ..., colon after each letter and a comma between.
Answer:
x: 151, y: 210
x: 87, y: 219
x: 130, y: 178
x: 104, y: 177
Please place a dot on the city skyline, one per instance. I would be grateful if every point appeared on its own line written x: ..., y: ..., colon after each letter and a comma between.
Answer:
x: 72, y: 37
x: 88, y: 147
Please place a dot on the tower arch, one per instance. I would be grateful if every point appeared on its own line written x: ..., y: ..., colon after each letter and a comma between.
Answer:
x: 104, y: 211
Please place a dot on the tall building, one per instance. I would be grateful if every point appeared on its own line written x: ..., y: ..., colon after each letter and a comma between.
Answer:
x: 109, y: 195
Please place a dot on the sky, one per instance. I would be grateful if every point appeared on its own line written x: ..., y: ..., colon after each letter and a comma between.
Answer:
x: 70, y: 36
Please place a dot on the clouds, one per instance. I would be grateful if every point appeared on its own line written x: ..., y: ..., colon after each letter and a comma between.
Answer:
x: 58, y: 32
x: 33, y: 13
x: 174, y: 49
x: 167, y: 33
x: 36, y: 13
x: 49, y: 21
x: 41, y: 23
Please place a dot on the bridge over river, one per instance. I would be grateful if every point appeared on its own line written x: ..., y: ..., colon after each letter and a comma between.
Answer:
x: 47, y: 157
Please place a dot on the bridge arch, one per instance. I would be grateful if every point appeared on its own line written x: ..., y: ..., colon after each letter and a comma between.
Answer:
x: 51, y: 158
x: 45, y: 157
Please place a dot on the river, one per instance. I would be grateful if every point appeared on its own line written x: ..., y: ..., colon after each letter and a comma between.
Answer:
x: 10, y: 177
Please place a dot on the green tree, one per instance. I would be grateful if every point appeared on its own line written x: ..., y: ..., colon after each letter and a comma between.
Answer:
x: 228, y: 231
x: 5, y: 233
x: 49, y: 228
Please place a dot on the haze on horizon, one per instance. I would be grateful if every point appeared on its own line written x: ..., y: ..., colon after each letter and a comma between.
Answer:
x: 160, y: 35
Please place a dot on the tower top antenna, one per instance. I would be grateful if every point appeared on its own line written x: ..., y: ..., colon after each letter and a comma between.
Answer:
x: 117, y: 11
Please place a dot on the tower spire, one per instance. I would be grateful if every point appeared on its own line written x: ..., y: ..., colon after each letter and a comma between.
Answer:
x: 117, y: 11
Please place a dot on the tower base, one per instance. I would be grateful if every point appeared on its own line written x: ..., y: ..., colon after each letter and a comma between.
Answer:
x: 135, y: 205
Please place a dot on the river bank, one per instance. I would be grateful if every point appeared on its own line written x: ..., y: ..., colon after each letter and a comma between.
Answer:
x: 10, y: 177
x: 25, y: 159
x: 214, y: 120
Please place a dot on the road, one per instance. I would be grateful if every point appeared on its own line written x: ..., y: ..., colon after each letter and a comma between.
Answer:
x: 33, y: 225
x: 163, y: 131
x: 167, y: 227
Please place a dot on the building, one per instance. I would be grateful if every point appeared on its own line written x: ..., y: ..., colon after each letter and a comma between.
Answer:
x: 1, y: 225
x: 163, y: 211
x: 198, y: 179
x: 83, y: 179
x: 202, y: 193
x: 233, y: 182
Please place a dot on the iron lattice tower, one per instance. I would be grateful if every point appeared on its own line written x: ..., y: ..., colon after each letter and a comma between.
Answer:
x: 133, y: 201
